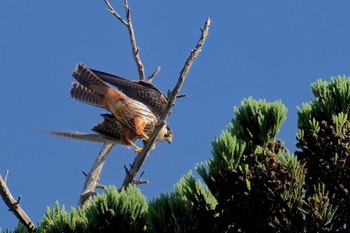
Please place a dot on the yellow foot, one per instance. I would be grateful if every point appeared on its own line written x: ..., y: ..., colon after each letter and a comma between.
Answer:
x: 138, y: 150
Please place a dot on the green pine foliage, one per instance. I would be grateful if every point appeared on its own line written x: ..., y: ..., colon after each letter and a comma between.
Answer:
x: 115, y: 210
x: 58, y: 220
x: 188, y: 209
x: 258, y: 122
x: 260, y: 181
x: 252, y: 183
x: 323, y: 140
x: 19, y: 229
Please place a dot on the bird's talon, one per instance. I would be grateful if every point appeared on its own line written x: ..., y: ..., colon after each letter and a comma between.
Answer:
x: 138, y: 150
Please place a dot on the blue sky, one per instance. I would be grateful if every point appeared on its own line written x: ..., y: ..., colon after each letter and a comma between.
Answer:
x: 272, y: 50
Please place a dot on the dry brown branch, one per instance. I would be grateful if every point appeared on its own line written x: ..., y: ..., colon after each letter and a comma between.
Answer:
x: 14, y: 205
x: 128, y: 24
x: 92, y: 178
x: 140, y: 158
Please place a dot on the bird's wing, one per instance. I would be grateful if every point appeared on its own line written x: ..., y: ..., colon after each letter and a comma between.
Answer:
x: 142, y: 91
x: 109, y: 127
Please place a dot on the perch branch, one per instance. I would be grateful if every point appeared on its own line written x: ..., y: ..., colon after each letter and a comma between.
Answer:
x: 129, y: 25
x: 140, y: 158
x: 14, y: 205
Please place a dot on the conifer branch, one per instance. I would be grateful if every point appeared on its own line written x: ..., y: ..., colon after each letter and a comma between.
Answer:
x: 14, y: 205
x: 129, y: 25
x: 140, y: 158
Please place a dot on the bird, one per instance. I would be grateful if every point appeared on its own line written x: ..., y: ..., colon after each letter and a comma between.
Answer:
x: 136, y: 118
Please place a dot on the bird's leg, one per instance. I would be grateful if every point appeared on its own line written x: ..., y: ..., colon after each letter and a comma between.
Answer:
x: 140, y: 125
x: 144, y: 136
x: 138, y: 149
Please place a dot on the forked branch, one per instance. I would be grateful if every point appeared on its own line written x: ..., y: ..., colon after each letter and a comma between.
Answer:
x: 93, y: 177
x: 128, y: 24
x: 131, y: 174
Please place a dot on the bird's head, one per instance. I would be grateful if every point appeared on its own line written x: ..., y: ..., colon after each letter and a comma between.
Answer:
x: 165, y: 135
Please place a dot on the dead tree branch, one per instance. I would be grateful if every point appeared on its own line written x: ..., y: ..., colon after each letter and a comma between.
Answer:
x: 131, y: 174
x: 150, y: 79
x: 91, y: 182
x: 14, y: 205
x: 129, y: 25
x: 92, y: 178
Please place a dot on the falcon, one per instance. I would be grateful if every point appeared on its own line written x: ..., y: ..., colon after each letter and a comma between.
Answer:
x: 136, y: 118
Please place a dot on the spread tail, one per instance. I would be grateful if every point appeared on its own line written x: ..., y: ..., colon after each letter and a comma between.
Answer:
x: 92, y: 90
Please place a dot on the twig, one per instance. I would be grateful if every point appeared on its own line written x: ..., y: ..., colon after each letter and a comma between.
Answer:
x: 150, y: 79
x: 140, y: 158
x: 128, y: 24
x: 140, y: 180
x: 91, y: 182
x: 14, y: 205
x: 180, y: 96
x: 112, y: 11
x: 6, y: 175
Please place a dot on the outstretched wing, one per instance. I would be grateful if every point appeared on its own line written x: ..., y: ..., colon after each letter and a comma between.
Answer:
x: 142, y: 91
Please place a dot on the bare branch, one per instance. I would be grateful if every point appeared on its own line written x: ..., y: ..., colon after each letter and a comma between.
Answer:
x: 93, y: 177
x: 112, y: 11
x: 14, y: 205
x: 6, y: 175
x: 140, y: 158
x: 140, y: 180
x: 180, y: 96
x: 129, y: 25
x: 150, y: 79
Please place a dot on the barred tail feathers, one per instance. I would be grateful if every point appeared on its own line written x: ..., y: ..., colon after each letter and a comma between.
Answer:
x: 83, y: 94
x: 89, y: 79
x: 97, y: 89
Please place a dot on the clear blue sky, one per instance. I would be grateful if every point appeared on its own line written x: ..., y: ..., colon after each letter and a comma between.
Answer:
x: 266, y: 49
